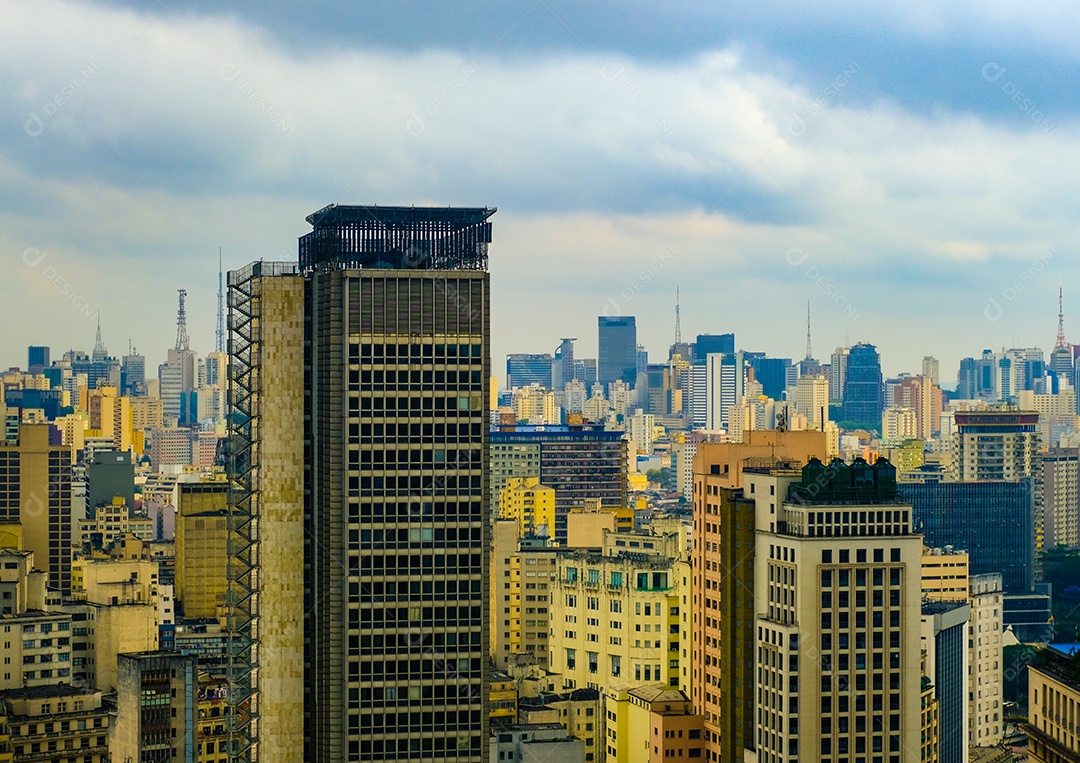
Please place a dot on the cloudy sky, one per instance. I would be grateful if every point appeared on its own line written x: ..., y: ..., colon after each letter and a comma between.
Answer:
x: 906, y: 167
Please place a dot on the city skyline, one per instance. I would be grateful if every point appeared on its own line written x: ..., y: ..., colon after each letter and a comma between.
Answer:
x: 585, y: 345
x: 902, y: 168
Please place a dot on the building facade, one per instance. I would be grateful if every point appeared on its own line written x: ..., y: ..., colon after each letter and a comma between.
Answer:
x: 986, y: 713
x: 1053, y: 702
x: 35, y: 491
x: 382, y: 331
x: 156, y: 707
x: 523, y: 369
x: 578, y: 462
x: 613, y: 619
x: 1061, y: 497
x: 617, y: 360
x: 57, y: 723
x: 864, y: 395
x: 992, y: 520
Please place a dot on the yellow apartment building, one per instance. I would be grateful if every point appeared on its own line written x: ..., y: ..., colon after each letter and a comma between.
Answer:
x: 530, y: 504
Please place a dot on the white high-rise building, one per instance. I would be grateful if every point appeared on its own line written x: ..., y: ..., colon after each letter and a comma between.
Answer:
x: 838, y: 373
x: 811, y: 399
x: 1057, y: 412
x: 698, y: 387
x: 898, y: 424
x: 725, y: 384
x: 1061, y: 502
x: 177, y: 380
x: 576, y: 395
x: 641, y: 432
x: 986, y: 716
x: 931, y: 368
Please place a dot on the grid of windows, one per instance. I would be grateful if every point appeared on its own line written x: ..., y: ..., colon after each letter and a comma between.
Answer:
x: 398, y: 371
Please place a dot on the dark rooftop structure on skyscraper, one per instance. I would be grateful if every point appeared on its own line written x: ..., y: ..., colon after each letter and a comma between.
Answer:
x: 414, y: 238
x: 839, y: 483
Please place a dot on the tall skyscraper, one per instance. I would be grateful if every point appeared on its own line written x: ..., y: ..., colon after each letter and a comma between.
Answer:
x: 725, y: 384
x: 808, y: 584
x: 930, y: 368
x: 772, y: 373
x: 707, y: 344
x: 523, y: 369
x: 838, y: 373
x: 864, y: 396
x: 1001, y: 445
x: 37, y: 359
x: 360, y: 385
x: 811, y: 399
x: 720, y: 681
x: 1061, y: 358
x: 111, y: 473
x: 133, y: 374
x: 177, y: 375
x: 617, y: 360
x: 35, y: 491
x: 945, y: 639
x: 993, y: 520
x: 967, y: 379
x: 562, y: 364
x: 1061, y: 497
x: 923, y: 396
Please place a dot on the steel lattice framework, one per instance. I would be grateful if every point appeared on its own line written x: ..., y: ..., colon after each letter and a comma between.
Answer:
x: 412, y: 238
x: 244, y: 509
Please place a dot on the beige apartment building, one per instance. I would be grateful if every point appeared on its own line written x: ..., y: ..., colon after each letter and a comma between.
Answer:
x: 1053, y: 714
x: 615, y: 615
x: 521, y: 579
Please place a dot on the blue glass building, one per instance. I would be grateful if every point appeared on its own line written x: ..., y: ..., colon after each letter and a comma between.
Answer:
x: 992, y: 520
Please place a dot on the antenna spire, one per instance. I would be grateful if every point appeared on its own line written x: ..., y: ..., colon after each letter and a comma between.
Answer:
x: 220, y: 306
x: 181, y: 323
x: 100, y: 353
x: 809, y: 353
x: 678, y: 323
x: 1061, y: 343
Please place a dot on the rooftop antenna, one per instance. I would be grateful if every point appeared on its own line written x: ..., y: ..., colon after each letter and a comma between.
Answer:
x: 678, y: 324
x: 1061, y: 344
x: 809, y: 353
x: 220, y: 306
x: 181, y: 322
